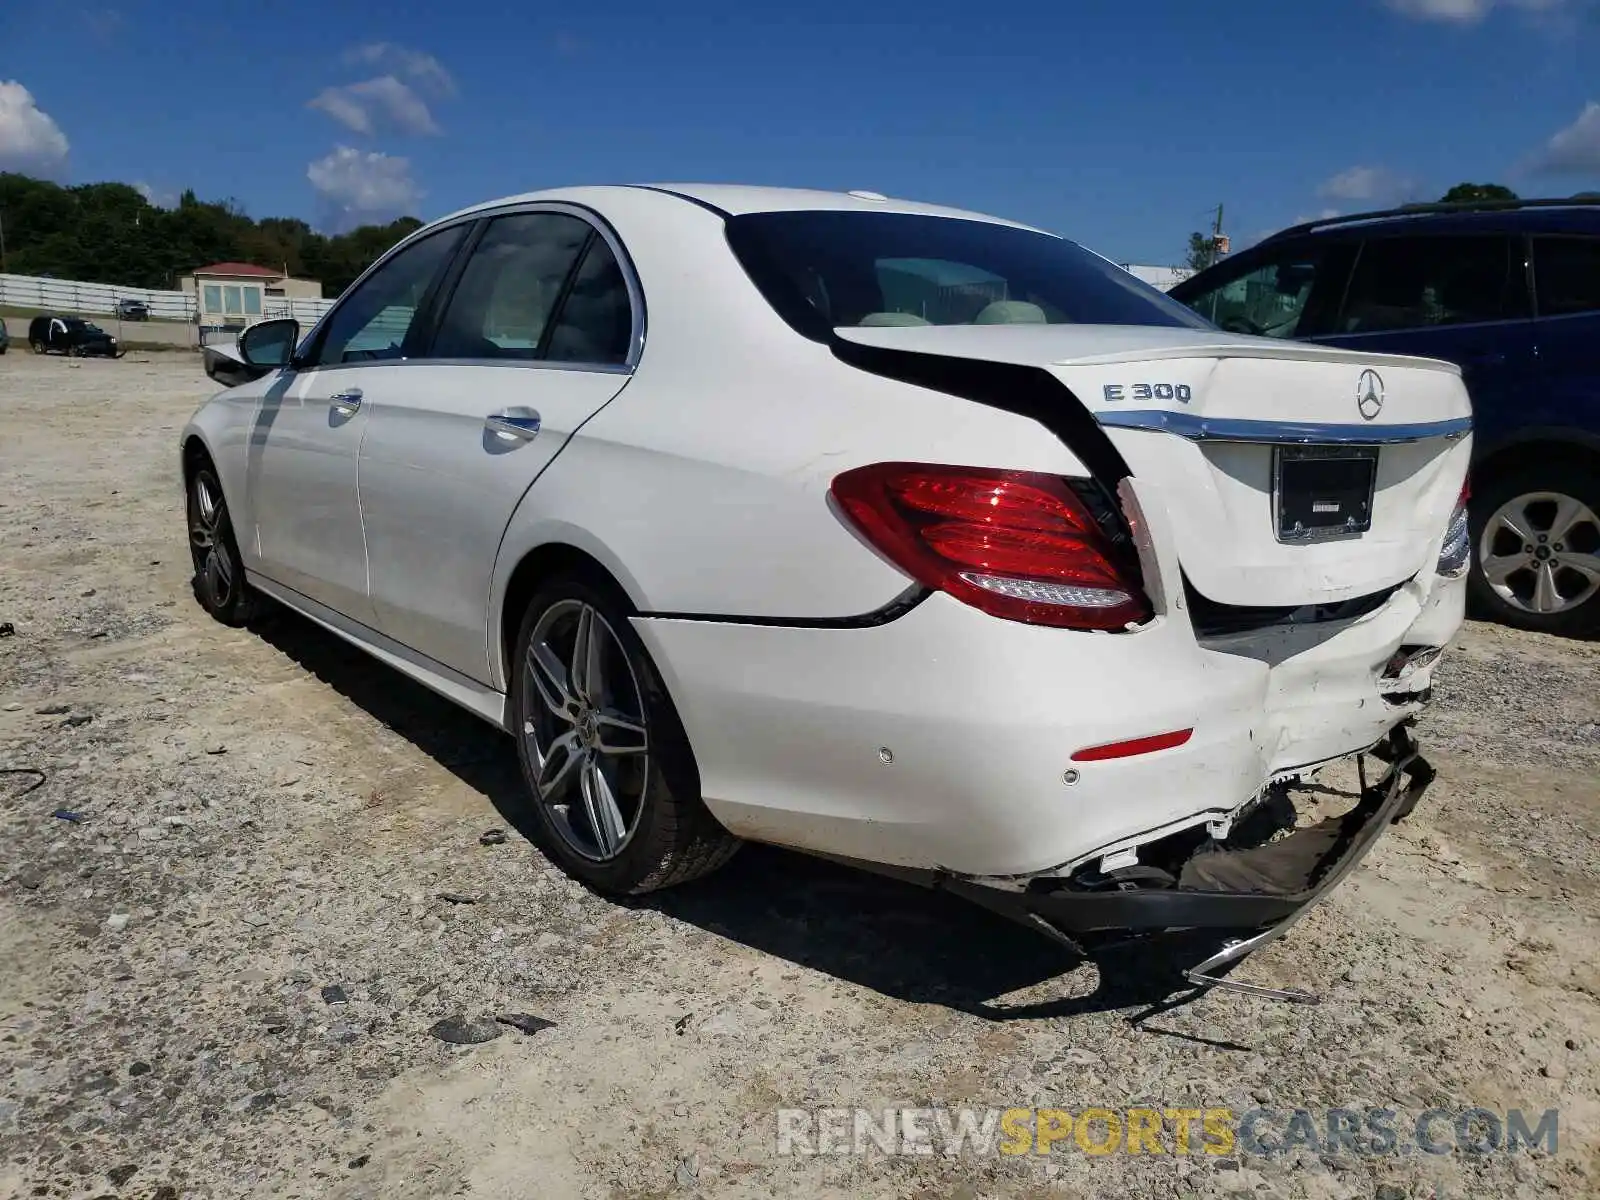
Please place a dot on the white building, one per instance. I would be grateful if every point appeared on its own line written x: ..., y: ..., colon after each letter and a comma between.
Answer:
x: 1165, y: 278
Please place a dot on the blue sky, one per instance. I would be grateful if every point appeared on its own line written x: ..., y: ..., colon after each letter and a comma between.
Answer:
x: 1117, y: 123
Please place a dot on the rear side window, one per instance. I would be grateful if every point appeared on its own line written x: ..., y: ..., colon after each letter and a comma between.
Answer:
x: 596, y: 320
x: 511, y: 285
x: 827, y: 270
x: 1422, y: 282
x: 1566, y: 272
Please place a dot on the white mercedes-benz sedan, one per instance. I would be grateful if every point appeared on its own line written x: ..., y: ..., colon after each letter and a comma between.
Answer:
x: 889, y: 532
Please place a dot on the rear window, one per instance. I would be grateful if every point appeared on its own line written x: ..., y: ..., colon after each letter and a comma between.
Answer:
x: 828, y: 270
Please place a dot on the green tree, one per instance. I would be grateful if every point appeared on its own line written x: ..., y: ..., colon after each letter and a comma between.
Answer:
x: 1202, y: 252
x: 1476, y: 193
x: 109, y: 233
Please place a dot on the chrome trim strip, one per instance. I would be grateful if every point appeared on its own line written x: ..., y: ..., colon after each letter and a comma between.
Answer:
x: 1305, y: 433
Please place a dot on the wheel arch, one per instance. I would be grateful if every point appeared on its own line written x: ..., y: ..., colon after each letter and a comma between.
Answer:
x: 192, y: 453
x: 515, y: 586
x: 1540, y: 447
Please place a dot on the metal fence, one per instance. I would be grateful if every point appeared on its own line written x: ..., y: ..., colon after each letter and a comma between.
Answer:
x: 73, y: 297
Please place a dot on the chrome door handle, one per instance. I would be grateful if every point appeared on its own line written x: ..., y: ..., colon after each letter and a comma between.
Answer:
x: 346, y: 402
x: 513, y: 427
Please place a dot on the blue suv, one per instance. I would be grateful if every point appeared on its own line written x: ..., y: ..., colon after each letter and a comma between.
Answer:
x: 1510, y: 292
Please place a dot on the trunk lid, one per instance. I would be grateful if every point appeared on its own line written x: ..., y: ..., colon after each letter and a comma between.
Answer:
x: 1242, y: 438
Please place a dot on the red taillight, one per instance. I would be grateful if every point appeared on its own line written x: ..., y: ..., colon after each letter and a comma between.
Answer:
x: 1016, y: 544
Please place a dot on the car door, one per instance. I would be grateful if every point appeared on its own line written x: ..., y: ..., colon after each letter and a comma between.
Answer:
x: 1462, y: 298
x: 536, y: 331
x: 301, y: 470
x: 1280, y: 289
x: 1567, y: 282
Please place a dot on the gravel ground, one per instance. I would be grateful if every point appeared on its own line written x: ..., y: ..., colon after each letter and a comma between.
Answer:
x: 223, y: 968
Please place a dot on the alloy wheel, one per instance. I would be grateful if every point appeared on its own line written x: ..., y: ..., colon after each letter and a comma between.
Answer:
x: 208, y: 524
x: 1540, y: 552
x: 585, y: 730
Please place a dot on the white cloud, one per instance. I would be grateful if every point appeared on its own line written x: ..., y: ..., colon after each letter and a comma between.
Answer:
x: 363, y: 187
x: 156, y: 197
x: 424, y: 70
x: 374, y: 105
x: 30, y: 140
x: 1363, y: 183
x: 1574, y: 150
x: 1468, y: 12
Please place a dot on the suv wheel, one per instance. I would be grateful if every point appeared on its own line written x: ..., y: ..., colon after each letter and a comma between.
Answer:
x: 615, y: 789
x: 1536, y: 533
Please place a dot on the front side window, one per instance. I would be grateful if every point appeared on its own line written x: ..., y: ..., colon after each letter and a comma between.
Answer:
x: 1421, y: 282
x: 829, y: 270
x: 511, y: 285
x: 1566, y: 272
x: 372, y: 322
x: 1269, y: 301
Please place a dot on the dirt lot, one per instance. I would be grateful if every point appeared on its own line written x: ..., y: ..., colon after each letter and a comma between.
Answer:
x: 221, y: 980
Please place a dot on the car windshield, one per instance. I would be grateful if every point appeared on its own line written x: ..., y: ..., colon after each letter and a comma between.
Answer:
x: 824, y: 270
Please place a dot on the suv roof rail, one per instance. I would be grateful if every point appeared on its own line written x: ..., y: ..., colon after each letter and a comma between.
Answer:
x: 1423, y: 210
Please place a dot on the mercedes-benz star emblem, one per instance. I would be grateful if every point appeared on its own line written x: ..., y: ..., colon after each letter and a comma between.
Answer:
x: 1369, y: 394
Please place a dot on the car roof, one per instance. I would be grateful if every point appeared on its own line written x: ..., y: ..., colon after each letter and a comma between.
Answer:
x: 1573, y: 216
x: 739, y: 199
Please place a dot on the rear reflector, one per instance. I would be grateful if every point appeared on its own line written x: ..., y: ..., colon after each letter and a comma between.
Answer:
x: 1015, y: 544
x: 1127, y: 749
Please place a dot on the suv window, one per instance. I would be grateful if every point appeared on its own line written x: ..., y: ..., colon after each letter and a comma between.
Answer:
x: 374, y: 320
x: 1419, y: 282
x: 1269, y: 301
x: 511, y: 285
x: 1566, y: 274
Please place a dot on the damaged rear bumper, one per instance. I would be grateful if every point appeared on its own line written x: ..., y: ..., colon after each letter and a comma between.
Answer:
x: 1259, y: 892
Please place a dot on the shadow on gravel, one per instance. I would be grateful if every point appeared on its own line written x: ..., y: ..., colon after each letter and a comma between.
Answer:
x: 900, y: 940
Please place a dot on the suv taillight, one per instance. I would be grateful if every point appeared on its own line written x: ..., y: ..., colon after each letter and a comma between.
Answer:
x: 1016, y: 544
x: 1456, y: 553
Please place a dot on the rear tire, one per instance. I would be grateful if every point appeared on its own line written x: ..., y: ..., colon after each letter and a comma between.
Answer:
x: 36, y: 346
x: 219, y: 579
x: 1534, y: 581
x: 615, y: 789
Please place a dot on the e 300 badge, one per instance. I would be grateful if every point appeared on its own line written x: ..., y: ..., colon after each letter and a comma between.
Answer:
x: 1149, y: 391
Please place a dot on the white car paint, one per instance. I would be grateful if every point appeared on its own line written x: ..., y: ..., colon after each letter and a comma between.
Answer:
x: 699, y: 478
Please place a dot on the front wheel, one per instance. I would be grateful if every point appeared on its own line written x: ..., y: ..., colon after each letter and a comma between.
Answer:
x: 614, y: 784
x: 36, y: 346
x: 219, y: 582
x: 1537, y: 536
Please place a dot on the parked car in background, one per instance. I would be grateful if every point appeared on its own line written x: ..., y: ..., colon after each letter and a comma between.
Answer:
x: 5, y: 338
x: 1510, y: 292
x: 133, y: 310
x: 890, y: 532
x: 74, y: 336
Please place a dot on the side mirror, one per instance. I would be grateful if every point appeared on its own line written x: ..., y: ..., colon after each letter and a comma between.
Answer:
x: 269, y: 345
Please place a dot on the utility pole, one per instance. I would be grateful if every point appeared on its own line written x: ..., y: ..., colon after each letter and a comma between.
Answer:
x: 1219, y: 243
